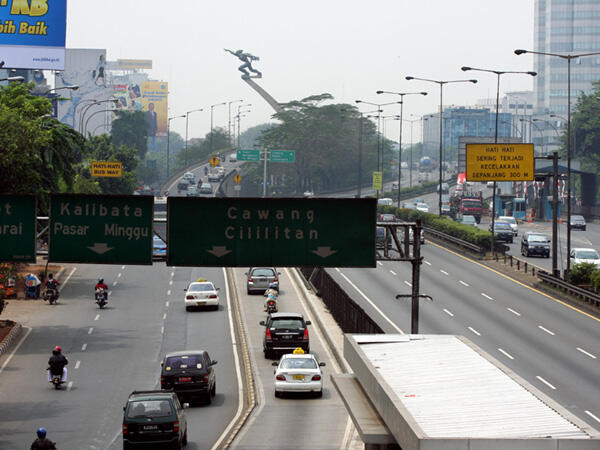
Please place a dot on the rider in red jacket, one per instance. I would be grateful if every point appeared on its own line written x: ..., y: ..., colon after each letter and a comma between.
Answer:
x: 102, y: 284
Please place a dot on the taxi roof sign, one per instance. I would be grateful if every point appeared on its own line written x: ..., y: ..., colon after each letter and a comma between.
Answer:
x: 499, y: 162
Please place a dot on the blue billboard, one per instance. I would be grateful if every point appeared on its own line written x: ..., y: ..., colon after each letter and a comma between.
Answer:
x: 33, y: 33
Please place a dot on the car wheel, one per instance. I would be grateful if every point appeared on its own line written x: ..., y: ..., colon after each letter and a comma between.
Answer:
x: 319, y: 394
x: 213, y: 391
x: 208, y: 398
x: 216, y: 307
x: 177, y: 445
x: 269, y: 354
x: 184, y: 440
x: 547, y: 255
x: 249, y: 292
x: 187, y: 308
x: 277, y: 394
x: 510, y: 242
x: 126, y: 446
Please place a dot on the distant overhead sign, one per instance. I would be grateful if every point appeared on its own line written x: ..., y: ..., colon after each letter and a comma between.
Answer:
x: 283, y: 156
x: 17, y: 228
x: 245, y: 232
x: 101, y: 229
x: 499, y: 162
x: 377, y: 181
x: 248, y: 155
x: 128, y: 64
x: 107, y: 169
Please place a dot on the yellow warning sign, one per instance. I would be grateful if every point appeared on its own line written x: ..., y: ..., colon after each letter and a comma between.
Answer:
x: 237, y: 178
x: 377, y: 180
x: 214, y: 161
x: 500, y: 162
x: 107, y: 169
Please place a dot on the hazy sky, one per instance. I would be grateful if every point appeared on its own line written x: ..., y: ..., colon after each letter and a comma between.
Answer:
x: 349, y: 49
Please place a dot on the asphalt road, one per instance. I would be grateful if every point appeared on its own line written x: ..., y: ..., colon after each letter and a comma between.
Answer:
x: 553, y: 346
x: 112, y: 352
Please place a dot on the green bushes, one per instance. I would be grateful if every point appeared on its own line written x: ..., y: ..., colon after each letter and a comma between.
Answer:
x: 595, y: 279
x: 582, y: 273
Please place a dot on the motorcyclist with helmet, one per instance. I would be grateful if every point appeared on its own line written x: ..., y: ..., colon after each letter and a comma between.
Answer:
x: 102, y: 284
x: 271, y: 294
x: 52, y: 283
x: 42, y: 442
x: 56, y: 364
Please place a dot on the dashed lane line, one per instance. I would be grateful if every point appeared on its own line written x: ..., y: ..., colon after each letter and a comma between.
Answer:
x: 164, y: 316
x: 162, y: 330
x: 392, y: 272
x: 97, y: 317
x: 69, y: 385
x: 171, y: 283
x: 551, y: 333
x: 474, y: 331
x: 545, y: 382
x: 505, y: 353
x: 444, y: 272
x: 169, y: 292
x: 408, y: 283
x: 83, y: 347
x: 487, y: 296
x: 380, y: 263
x: 586, y: 353
x: 77, y: 364
x: 119, y: 275
x: 463, y: 283
x: 167, y: 304
x: 427, y: 262
x: 114, y: 283
x: 122, y: 267
x: 514, y: 312
x: 91, y: 330
x: 448, y: 312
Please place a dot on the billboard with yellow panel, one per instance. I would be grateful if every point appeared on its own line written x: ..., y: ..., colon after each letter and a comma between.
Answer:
x: 155, y: 105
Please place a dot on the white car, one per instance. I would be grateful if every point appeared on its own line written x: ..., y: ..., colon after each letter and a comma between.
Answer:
x: 423, y: 207
x: 233, y: 157
x: 511, y: 221
x: 298, y: 373
x: 587, y: 255
x: 201, y: 294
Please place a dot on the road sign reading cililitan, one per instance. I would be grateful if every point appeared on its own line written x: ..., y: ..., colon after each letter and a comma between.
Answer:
x: 377, y: 181
x: 499, y: 162
x: 283, y: 156
x: 101, y: 229
x: 237, y: 178
x: 107, y: 169
x: 17, y: 228
x: 249, y: 232
x: 248, y: 155
x: 214, y: 161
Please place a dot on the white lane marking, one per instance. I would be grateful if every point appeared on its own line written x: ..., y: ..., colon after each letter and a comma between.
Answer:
x: 169, y: 292
x: 463, y: 283
x: 114, y: 283
x: 83, y: 347
x: 69, y: 385
x: 505, y: 353
x: 448, y: 312
x: 90, y: 330
x: 370, y: 301
x: 407, y: 283
x: 474, y: 331
x: 392, y: 272
x: 97, y: 317
x: 514, y: 312
x: 240, y: 386
x: 487, y: 296
x: 166, y: 304
x: 545, y: 382
x: 119, y: 275
x: 444, y: 272
x: 592, y: 416
x: 164, y: 316
x: 546, y: 330
x: 122, y: 267
x: 69, y: 277
x: 427, y: 262
x: 77, y: 364
x: 171, y: 283
x: 172, y: 274
x: 109, y: 292
x: 586, y: 353
x: 162, y: 330
x: 15, y: 349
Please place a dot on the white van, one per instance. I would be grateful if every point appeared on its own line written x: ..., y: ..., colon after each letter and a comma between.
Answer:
x: 233, y: 157
x: 385, y: 201
x: 189, y: 177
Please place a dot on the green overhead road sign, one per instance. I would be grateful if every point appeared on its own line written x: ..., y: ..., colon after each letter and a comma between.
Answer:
x: 248, y: 232
x: 248, y: 155
x: 101, y: 229
x: 283, y: 156
x: 17, y: 228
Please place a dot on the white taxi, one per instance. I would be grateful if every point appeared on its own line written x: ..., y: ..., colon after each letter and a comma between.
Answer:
x: 298, y: 372
x: 201, y: 294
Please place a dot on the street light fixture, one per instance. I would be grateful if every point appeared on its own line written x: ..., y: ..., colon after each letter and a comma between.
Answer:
x: 240, y: 114
x: 229, y: 118
x: 441, y: 83
x: 84, y: 112
x: 497, y: 73
x: 212, y: 107
x: 70, y: 88
x: 186, y: 130
x: 169, y: 139
x: 539, y: 130
x: 568, y: 57
x: 401, y: 94
x: 17, y: 78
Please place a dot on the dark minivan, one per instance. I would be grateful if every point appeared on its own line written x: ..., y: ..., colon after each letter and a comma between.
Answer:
x: 190, y: 374
x: 285, y: 332
x: 535, y: 244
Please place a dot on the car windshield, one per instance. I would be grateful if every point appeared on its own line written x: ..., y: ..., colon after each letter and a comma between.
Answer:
x: 388, y: 217
x: 508, y: 220
x: 501, y: 226
x: 422, y: 205
x: 201, y: 287
x: 577, y: 219
x: 183, y: 362
x: 298, y: 363
x: 586, y: 254
x: 285, y: 323
x: 149, y: 408
x: 537, y: 238
x: 468, y: 219
x: 262, y: 273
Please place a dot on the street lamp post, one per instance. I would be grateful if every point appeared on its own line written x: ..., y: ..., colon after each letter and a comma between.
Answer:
x: 169, y: 139
x: 229, y: 118
x: 497, y: 73
x: 514, y: 127
x: 186, y: 130
x: 84, y: 112
x: 10, y: 79
x: 240, y: 114
x: 401, y: 94
x: 92, y: 115
x: 410, y: 169
x: 539, y: 130
x: 212, y: 107
x: 360, y: 132
x: 70, y: 88
x: 441, y: 83
x: 568, y: 57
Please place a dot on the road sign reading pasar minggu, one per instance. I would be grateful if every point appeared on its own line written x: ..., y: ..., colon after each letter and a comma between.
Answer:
x: 17, y: 228
x: 101, y: 229
x: 499, y: 162
x: 248, y: 232
x: 107, y: 169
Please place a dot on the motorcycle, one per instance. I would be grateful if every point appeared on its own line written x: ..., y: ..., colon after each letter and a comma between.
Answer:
x: 271, y: 305
x: 51, y: 296
x: 56, y: 378
x: 100, y: 297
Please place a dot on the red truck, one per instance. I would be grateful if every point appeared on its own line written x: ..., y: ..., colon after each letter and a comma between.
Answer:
x: 467, y: 205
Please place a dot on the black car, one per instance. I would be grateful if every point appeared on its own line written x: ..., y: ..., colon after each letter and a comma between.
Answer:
x: 182, y: 185
x: 503, y: 232
x: 535, y: 244
x: 380, y: 238
x: 285, y: 332
x: 190, y: 374
x: 154, y: 418
x: 578, y: 223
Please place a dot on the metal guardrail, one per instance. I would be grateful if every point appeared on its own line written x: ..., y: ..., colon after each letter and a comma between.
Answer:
x: 519, y: 263
x: 454, y: 240
x: 588, y: 296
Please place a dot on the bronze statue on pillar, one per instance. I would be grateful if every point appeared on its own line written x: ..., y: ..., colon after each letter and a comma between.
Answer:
x: 247, y: 59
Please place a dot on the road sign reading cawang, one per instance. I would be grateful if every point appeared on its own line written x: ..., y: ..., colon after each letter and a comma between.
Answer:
x: 247, y: 232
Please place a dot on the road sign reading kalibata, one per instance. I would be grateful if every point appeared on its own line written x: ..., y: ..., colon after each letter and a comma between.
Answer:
x: 248, y: 232
x: 499, y: 162
x: 17, y: 228
x: 101, y: 229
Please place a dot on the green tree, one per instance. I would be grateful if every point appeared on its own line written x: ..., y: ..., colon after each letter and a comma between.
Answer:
x: 101, y: 148
x: 201, y: 149
x: 130, y: 129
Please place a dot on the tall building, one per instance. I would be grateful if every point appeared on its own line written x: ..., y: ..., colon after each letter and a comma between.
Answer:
x: 565, y: 26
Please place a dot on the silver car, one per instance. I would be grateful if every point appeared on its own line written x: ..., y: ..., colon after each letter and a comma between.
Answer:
x: 260, y: 278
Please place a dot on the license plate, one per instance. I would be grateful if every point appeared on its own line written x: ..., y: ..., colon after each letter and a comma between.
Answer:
x: 200, y: 303
x: 184, y: 379
x: 287, y: 337
x: 150, y: 427
x: 298, y: 377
